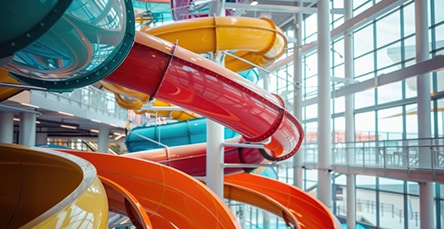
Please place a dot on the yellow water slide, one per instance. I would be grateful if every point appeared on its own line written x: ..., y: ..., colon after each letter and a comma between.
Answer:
x: 258, y: 41
x: 46, y: 189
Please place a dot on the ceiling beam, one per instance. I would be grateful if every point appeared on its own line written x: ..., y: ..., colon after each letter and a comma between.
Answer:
x: 270, y: 8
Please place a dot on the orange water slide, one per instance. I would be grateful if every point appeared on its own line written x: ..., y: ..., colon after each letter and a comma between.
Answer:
x: 309, y: 212
x: 46, y: 189
x: 170, y: 198
x: 254, y: 198
x: 123, y: 202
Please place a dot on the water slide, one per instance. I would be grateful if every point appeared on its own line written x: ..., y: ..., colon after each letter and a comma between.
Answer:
x: 177, y: 76
x: 45, y: 189
x: 234, y: 34
x: 170, y: 198
x: 7, y: 91
x: 309, y: 212
x: 181, y: 77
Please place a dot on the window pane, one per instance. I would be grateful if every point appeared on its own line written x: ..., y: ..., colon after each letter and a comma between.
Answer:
x: 409, y: 19
x: 388, y: 29
x: 363, y: 40
x: 390, y: 123
x: 364, y: 65
x: 364, y: 124
x: 439, y: 13
x: 389, y: 92
x: 411, y: 121
x: 364, y: 99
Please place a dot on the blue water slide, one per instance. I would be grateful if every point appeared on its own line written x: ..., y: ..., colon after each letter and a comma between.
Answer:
x: 171, y: 134
x: 67, y: 44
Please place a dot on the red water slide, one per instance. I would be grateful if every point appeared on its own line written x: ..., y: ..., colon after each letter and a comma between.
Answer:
x: 168, y: 72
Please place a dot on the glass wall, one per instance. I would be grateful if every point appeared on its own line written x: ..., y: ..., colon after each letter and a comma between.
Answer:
x: 385, y: 113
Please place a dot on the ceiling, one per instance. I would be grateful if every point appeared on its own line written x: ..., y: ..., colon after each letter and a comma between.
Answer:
x: 280, y: 11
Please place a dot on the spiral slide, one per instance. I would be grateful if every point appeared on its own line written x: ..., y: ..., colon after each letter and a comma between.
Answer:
x: 46, y: 189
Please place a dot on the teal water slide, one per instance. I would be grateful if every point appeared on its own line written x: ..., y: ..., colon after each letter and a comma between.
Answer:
x: 172, y: 134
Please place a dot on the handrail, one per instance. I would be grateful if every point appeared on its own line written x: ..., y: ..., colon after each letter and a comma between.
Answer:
x: 421, y: 153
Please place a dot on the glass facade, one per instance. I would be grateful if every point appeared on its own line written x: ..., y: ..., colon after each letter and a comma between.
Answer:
x: 385, y: 112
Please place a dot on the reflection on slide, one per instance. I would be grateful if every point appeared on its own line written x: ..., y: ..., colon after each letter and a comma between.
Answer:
x: 170, y: 198
x: 46, y: 189
x: 256, y: 41
x: 184, y: 78
x: 309, y: 212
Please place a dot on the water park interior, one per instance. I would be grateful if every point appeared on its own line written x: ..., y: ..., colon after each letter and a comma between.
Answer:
x: 222, y: 114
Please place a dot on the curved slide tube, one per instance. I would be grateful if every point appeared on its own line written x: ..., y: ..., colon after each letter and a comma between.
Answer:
x: 68, y: 44
x: 170, y: 198
x: 184, y: 78
x: 171, y: 134
x: 258, y: 41
x: 123, y: 202
x: 191, y: 159
x: 133, y: 100
x: 46, y: 189
x: 254, y: 198
x: 309, y: 212
x: 6, y: 91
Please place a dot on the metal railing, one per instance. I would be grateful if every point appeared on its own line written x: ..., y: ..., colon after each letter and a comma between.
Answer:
x: 402, y: 154
x: 89, y: 97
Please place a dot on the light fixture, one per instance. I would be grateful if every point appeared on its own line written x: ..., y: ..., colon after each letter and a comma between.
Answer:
x: 254, y: 3
x: 118, y: 136
x: 68, y: 126
x: 95, y: 120
x: 64, y: 113
x: 29, y: 105
x: 94, y: 131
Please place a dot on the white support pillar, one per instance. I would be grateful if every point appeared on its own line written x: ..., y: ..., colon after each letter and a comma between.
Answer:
x: 349, y: 118
x: 324, y: 98
x: 41, y: 138
x: 423, y: 84
x: 215, y: 157
x: 298, y: 158
x: 27, y: 129
x: 426, y: 191
x: 6, y: 127
x: 103, y: 139
x: 427, y: 205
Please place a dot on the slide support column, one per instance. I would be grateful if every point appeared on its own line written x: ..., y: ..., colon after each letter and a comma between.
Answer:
x: 215, y: 157
x: 349, y: 119
x: 324, y: 99
x: 6, y: 127
x: 426, y: 194
x: 103, y: 139
x: 27, y: 129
